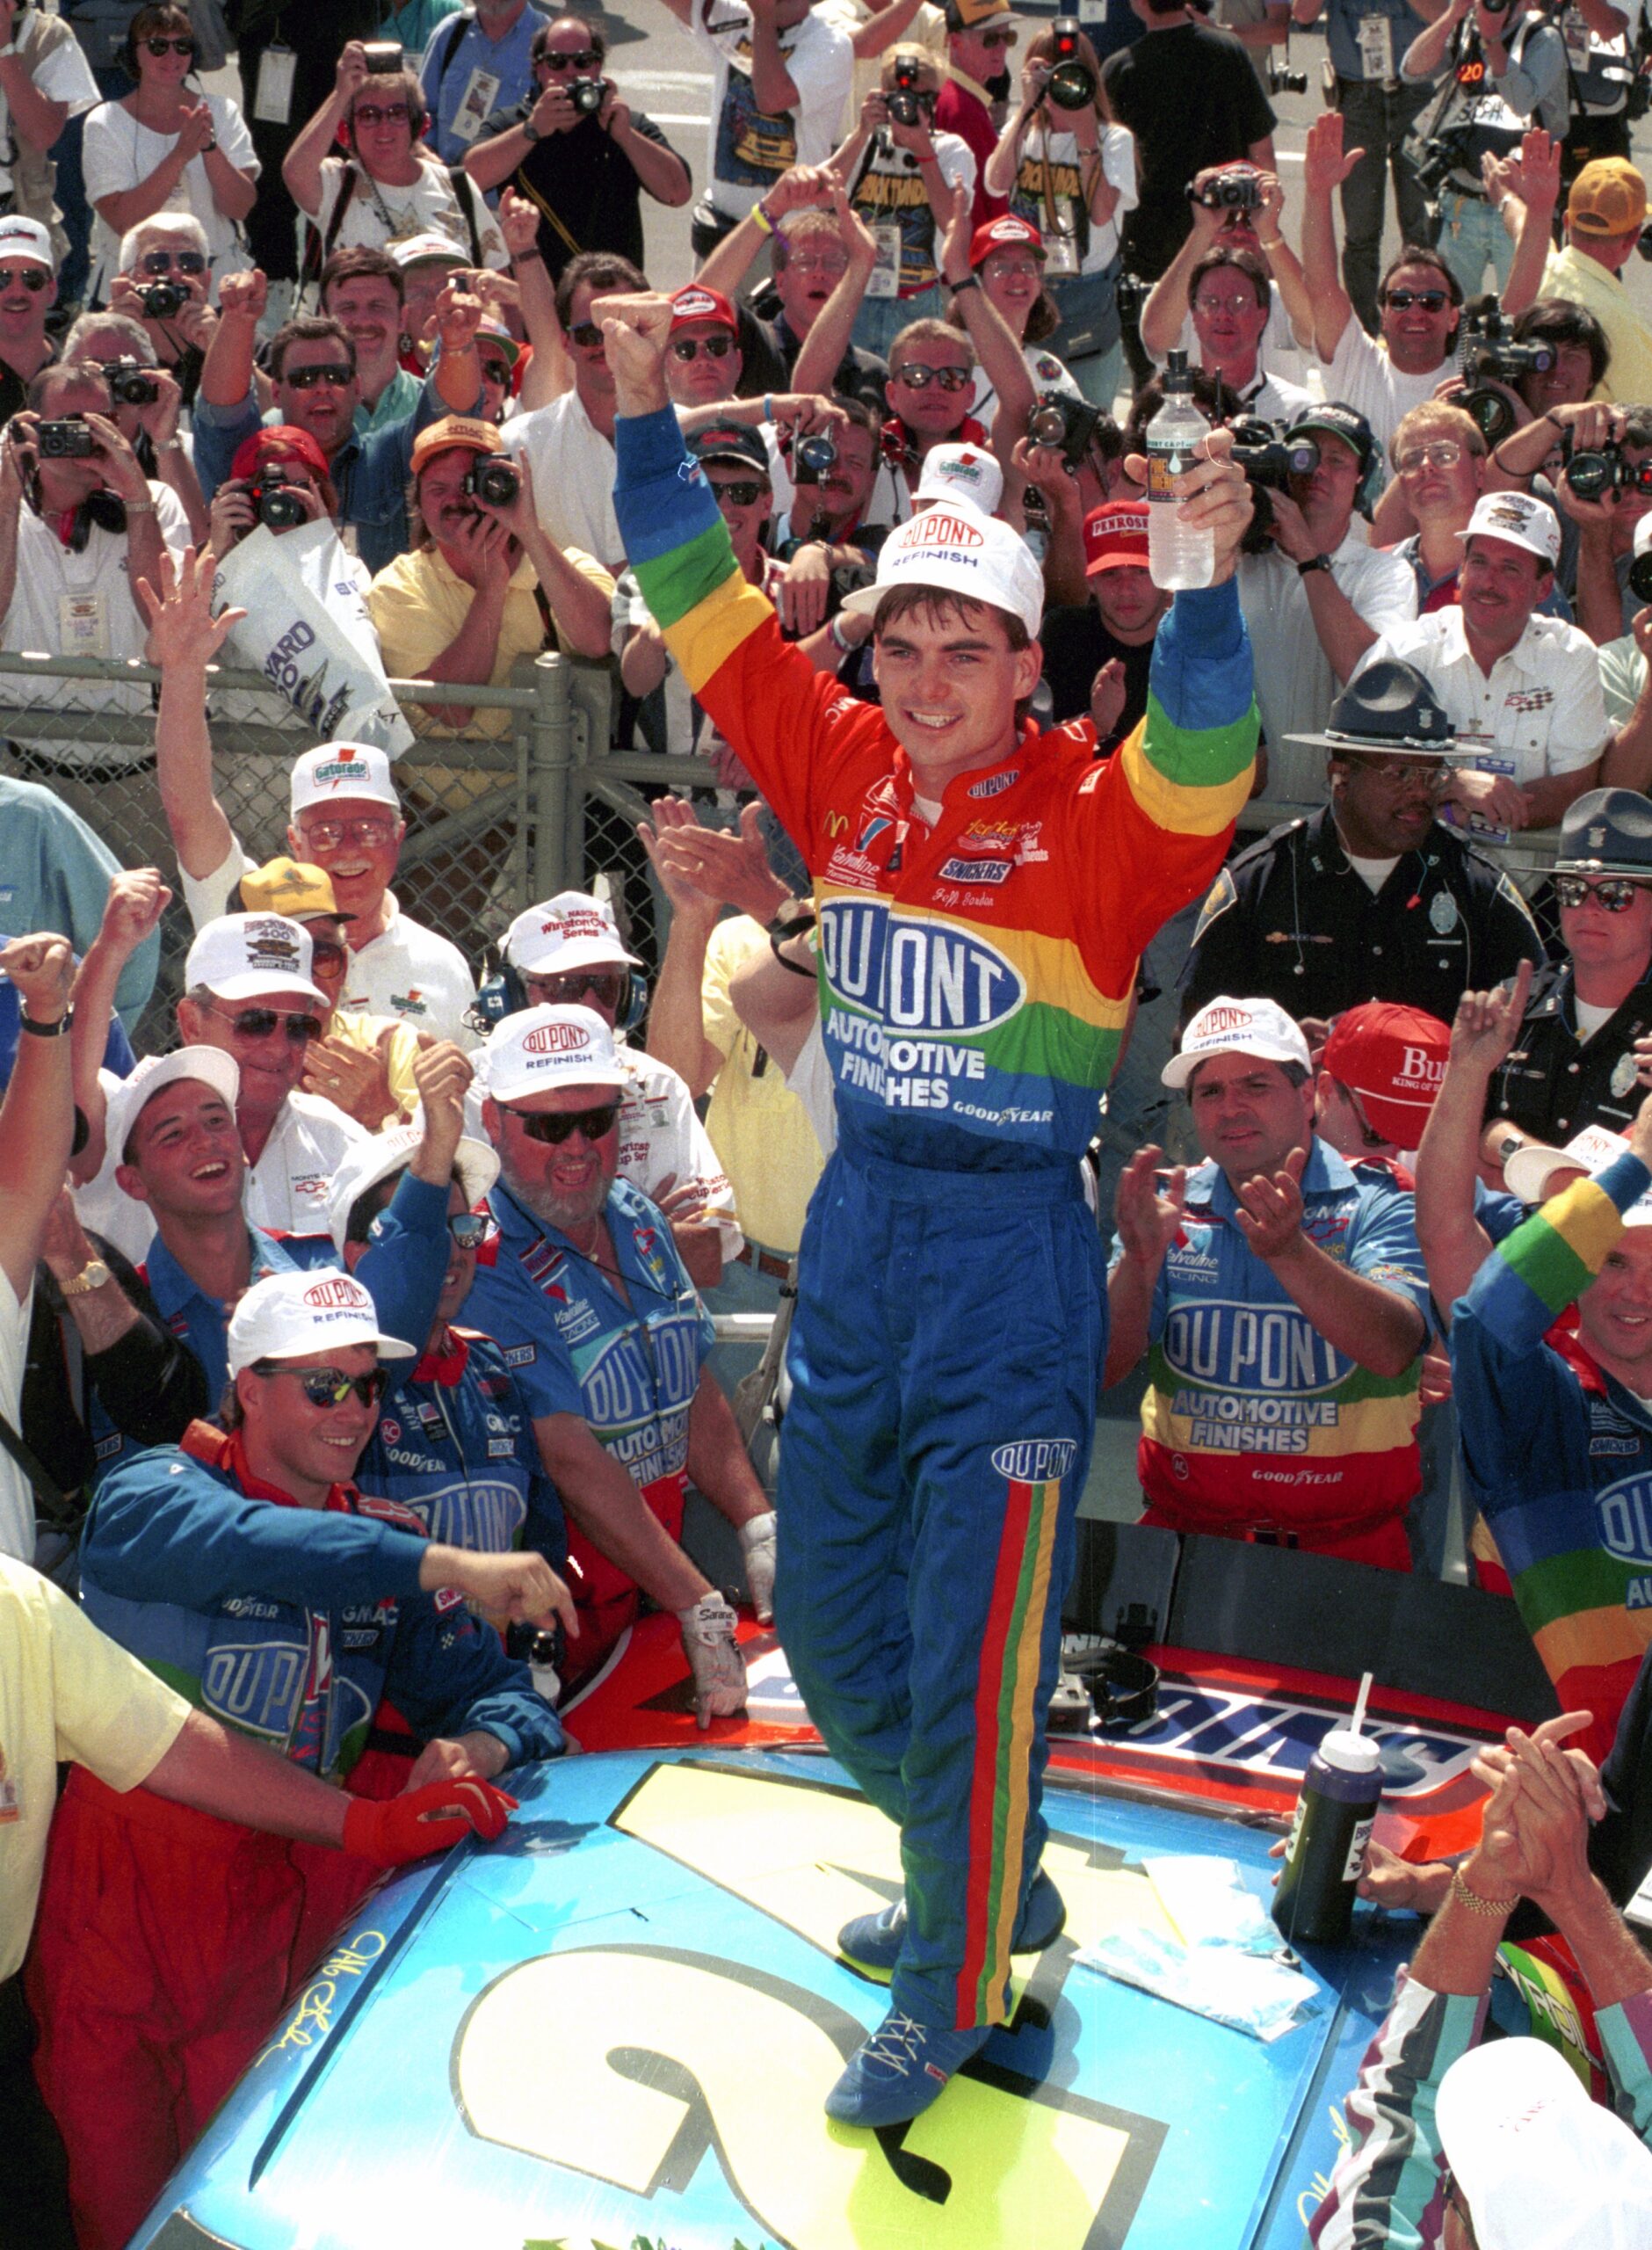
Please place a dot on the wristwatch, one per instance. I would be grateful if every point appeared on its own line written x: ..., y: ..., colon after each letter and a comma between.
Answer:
x: 89, y: 1277
x: 530, y: 132
x: 46, y: 1030
x: 1314, y: 562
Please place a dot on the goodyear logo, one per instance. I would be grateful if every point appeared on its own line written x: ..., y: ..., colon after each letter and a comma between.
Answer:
x: 555, y: 1039
x: 1625, y: 1511
x: 919, y: 976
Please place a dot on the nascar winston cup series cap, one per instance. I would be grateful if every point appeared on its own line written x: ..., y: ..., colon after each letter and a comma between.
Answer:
x: 956, y: 549
x: 288, y: 1316
x: 571, y: 931
x: 1530, y: 1172
x: 540, y: 1050
x: 342, y: 769
x: 1225, y: 1026
x: 241, y: 955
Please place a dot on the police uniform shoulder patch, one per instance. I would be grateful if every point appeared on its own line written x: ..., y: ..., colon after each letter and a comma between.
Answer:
x: 1220, y: 898
x: 1442, y: 911
x: 1622, y: 1075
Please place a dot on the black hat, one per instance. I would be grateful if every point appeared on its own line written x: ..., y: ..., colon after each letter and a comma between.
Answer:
x: 1391, y: 706
x: 731, y: 442
x: 1606, y: 832
x: 1342, y: 422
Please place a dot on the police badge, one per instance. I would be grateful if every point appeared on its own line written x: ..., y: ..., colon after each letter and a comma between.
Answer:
x: 1622, y: 1075
x: 1442, y: 912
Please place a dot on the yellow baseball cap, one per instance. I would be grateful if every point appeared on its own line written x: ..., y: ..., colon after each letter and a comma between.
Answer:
x: 1608, y: 197
x: 290, y: 887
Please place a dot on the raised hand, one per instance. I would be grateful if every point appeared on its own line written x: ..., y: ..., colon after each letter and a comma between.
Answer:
x: 42, y: 970
x: 1326, y: 164
x: 1147, y: 1217
x: 137, y: 899
x: 1487, y: 1024
x: 182, y: 631
x: 1270, y: 1213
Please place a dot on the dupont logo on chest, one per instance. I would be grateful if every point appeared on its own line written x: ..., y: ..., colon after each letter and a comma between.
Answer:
x: 921, y: 976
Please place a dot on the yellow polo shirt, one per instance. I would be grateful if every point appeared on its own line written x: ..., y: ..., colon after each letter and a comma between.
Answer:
x: 757, y: 1125
x: 1570, y: 272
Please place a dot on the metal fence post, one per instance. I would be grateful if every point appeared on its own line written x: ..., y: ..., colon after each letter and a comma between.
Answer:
x: 550, y: 759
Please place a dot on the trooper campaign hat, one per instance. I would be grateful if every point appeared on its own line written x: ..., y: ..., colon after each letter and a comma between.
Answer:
x: 1607, y: 833
x: 1390, y: 707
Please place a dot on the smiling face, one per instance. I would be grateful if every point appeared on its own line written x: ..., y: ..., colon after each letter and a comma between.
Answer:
x: 185, y: 1157
x: 362, y: 860
x: 1247, y: 1115
x: 28, y: 290
x: 1499, y: 587
x: 1615, y: 1314
x: 381, y: 127
x: 1605, y: 948
x: 272, y: 1061
x: 302, y: 1449
x: 1417, y: 334
x: 1013, y: 281
x: 928, y: 408
x: 951, y: 682
x: 166, y: 72
x: 325, y: 405
x: 368, y: 309
x: 564, y: 1183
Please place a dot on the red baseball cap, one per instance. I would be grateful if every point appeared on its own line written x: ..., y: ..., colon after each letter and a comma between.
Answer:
x: 1394, y: 1058
x: 692, y: 302
x: 280, y: 437
x: 1005, y: 233
x: 1116, y: 537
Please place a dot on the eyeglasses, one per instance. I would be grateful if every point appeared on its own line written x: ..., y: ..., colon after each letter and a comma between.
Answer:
x: 715, y: 347
x: 326, y: 834
x: 329, y: 1386
x: 1614, y: 895
x: 335, y: 374
x: 258, y: 1023
x: 326, y: 955
x: 606, y: 987
x: 920, y: 377
x: 34, y: 277
x: 999, y: 39
x: 470, y: 1228
x: 158, y: 45
x: 380, y: 113
x: 496, y: 371
x: 593, y: 1124
x: 1445, y: 453
x: 587, y: 58
x: 832, y: 264
x: 744, y: 494
x: 1395, y: 772
x: 167, y: 261
x: 1239, y: 304
x: 1430, y: 300
x: 1368, y: 1133
x: 586, y: 334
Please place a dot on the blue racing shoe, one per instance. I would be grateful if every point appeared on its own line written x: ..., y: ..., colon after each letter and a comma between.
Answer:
x: 871, y: 1942
x: 896, y: 2074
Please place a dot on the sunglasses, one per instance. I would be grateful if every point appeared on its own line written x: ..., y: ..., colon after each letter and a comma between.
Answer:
x: 158, y: 45
x: 715, y: 347
x: 470, y: 1228
x: 1446, y: 452
x: 381, y: 113
x: 496, y: 371
x: 606, y: 986
x: 334, y: 374
x: 258, y: 1023
x: 592, y: 1124
x: 34, y: 277
x: 326, y: 835
x: 586, y: 60
x: 1614, y: 895
x: 586, y: 334
x: 999, y: 39
x: 166, y: 261
x: 920, y: 378
x: 329, y: 1386
x: 744, y: 494
x: 1368, y: 1133
x: 1430, y: 300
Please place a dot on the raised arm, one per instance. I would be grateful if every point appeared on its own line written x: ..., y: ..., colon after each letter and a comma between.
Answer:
x: 185, y: 640
x: 1164, y: 313
x: 37, y: 1116
x: 226, y: 376
x: 998, y: 347
x: 302, y: 167
x: 1453, y: 1243
x: 702, y: 870
x: 1534, y: 190
x: 772, y: 86
x: 1376, y: 1327
x: 805, y: 184
x: 1326, y: 164
x: 826, y: 343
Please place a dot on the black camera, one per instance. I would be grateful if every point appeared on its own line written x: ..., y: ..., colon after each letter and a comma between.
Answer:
x: 1592, y: 476
x: 1269, y: 460
x: 1234, y: 188
x: 587, y: 94
x: 1641, y: 578
x: 494, y: 481
x: 812, y: 457
x: 1071, y: 84
x: 68, y: 439
x: 1490, y: 355
x: 1066, y: 424
x: 1442, y: 155
x: 276, y: 503
x: 904, y: 106
x: 1130, y: 293
x: 1283, y: 80
x: 162, y: 299
x: 130, y: 382
x: 383, y: 57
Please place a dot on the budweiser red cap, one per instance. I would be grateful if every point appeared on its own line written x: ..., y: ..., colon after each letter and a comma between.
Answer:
x: 1393, y: 1059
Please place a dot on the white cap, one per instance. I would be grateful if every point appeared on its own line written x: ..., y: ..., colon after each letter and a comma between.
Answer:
x: 210, y: 1065
x: 288, y: 1315
x: 366, y: 1163
x: 240, y: 955
x: 1521, y: 520
x: 548, y: 1048
x: 343, y: 769
x: 21, y: 237
x: 958, y: 549
x: 957, y: 472
x: 1528, y: 1171
x: 1540, y: 2165
x: 571, y: 931
x: 417, y: 248
x: 1225, y: 1026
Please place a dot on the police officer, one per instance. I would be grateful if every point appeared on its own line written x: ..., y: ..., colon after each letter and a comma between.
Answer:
x: 1372, y: 898
x: 1574, y: 1063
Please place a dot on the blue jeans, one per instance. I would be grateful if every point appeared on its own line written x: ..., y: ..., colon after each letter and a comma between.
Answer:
x: 1472, y: 237
x: 72, y: 190
x: 880, y: 319
x: 1088, y: 338
x: 1378, y: 120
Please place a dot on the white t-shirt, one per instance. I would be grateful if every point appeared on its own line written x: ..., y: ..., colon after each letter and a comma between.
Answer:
x: 747, y: 152
x: 118, y: 154
x: 572, y: 465
x: 1361, y: 375
x: 1541, y: 709
x: 1278, y: 353
x: 661, y: 1138
x: 890, y: 198
x: 386, y: 214
x: 1372, y: 873
x: 1057, y: 155
x: 810, y: 1079
x: 1590, y: 1018
x: 1047, y: 372
x: 62, y: 74
x: 16, y: 1501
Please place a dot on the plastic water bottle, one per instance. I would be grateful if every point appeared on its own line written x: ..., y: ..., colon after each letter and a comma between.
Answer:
x: 1179, y: 556
x: 546, y: 1680
x: 1325, y: 1858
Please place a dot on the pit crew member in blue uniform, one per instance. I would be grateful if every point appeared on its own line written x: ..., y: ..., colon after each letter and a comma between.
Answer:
x: 247, y: 1569
x: 984, y: 896
x: 586, y: 1291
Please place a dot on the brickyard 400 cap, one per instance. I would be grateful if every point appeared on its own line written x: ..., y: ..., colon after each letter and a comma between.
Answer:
x: 289, y: 1316
x: 571, y: 931
x: 957, y: 550
x: 244, y: 957
x: 342, y: 769
x: 1393, y: 1059
x: 1530, y: 1172
x: 1225, y: 1026
x: 539, y: 1050
x: 1519, y: 519
x: 1540, y: 2165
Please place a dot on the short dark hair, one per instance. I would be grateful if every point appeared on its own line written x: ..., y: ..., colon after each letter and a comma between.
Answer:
x: 360, y: 263
x: 1212, y: 397
x: 317, y: 328
x: 1558, y: 321
x: 1243, y: 261
x: 58, y: 376
x: 600, y: 271
x: 1416, y: 254
x: 937, y: 607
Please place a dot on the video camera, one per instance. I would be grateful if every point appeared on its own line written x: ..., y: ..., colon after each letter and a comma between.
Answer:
x: 1071, y: 84
x: 1066, y: 424
x: 162, y: 299
x: 1641, y: 578
x: 1236, y: 187
x: 904, y: 101
x: 494, y: 481
x: 1269, y: 461
x: 588, y: 95
x: 1591, y: 476
x: 276, y: 503
x: 1490, y: 355
x: 130, y: 382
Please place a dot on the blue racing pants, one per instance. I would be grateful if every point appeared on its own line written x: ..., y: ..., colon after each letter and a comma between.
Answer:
x: 945, y: 1361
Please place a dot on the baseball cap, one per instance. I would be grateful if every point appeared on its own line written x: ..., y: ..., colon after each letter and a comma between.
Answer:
x: 1529, y: 1170
x: 1390, y: 707
x: 692, y: 301
x: 956, y: 549
x: 290, y: 887
x: 1540, y: 2165
x: 1521, y: 520
x: 418, y: 249
x: 288, y: 1316
x: 1394, y: 1058
x: 1608, y: 197
x: 240, y: 955
x: 366, y: 1163
x: 1606, y: 832
x: 496, y: 332
x: 131, y: 1097
x: 455, y: 430
x: 968, y: 15
x: 731, y: 442
x: 571, y: 931
x: 342, y: 769
x: 1225, y: 1026
x: 1337, y: 421
x: 542, y: 1048
x: 1007, y: 232
x: 1116, y: 538
x: 960, y: 472
x: 21, y: 237
x: 279, y: 437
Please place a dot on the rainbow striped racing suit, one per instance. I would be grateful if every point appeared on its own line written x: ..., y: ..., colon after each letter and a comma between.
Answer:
x: 975, y: 979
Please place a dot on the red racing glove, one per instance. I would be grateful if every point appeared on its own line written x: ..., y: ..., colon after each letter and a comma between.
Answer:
x: 392, y: 1830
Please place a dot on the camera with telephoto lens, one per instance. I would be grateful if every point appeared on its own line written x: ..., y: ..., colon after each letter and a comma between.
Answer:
x: 67, y: 438
x: 1591, y: 476
x: 162, y: 299
x: 383, y: 58
x: 812, y: 457
x: 494, y: 482
x: 1071, y: 84
x: 130, y: 382
x: 1283, y: 80
x: 276, y: 503
x: 1490, y: 355
x: 902, y: 100
x: 587, y: 94
x: 1234, y: 188
x: 1066, y: 424
x: 1269, y: 460
x: 1442, y: 155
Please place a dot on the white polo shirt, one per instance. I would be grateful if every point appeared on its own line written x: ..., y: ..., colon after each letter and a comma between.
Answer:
x: 573, y: 468
x: 661, y: 1137
x: 1541, y: 707
x: 409, y: 972
x: 1362, y: 375
x: 1296, y: 684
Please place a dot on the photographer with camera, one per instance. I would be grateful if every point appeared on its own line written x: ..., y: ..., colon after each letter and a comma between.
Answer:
x: 277, y: 478
x: 1506, y: 70
x: 1593, y: 462
x: 1234, y: 207
x: 166, y: 273
x: 483, y: 583
x: 149, y: 403
x: 583, y: 156
x: 1229, y: 301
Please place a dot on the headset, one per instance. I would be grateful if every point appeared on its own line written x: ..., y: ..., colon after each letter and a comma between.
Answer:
x: 504, y: 993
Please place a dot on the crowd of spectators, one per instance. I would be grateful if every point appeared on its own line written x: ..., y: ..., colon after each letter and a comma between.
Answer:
x: 369, y: 1199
